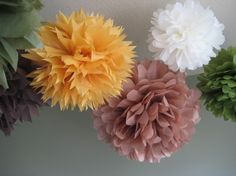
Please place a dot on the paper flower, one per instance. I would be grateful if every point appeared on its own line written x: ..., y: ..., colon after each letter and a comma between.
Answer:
x: 19, y: 102
x: 83, y: 62
x: 18, y: 20
x: 20, y: 5
x: 154, y: 116
x: 218, y: 84
x: 184, y: 36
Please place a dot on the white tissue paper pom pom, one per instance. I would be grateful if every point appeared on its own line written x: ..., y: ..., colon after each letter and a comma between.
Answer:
x: 184, y: 36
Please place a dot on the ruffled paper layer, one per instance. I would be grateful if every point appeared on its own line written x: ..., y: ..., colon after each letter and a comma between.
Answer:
x: 154, y: 116
x: 185, y: 35
x: 83, y: 62
x: 19, y: 102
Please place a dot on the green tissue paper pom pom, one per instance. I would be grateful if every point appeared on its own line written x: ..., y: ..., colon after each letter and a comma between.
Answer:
x: 19, y: 17
x: 19, y: 20
x: 19, y: 5
x: 218, y: 84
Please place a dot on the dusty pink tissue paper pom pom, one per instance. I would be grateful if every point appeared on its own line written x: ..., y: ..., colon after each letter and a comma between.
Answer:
x: 154, y: 116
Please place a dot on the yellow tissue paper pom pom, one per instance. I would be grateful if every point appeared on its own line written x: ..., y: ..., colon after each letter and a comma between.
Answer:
x: 83, y: 62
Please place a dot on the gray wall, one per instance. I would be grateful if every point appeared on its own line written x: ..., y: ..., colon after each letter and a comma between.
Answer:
x: 65, y: 143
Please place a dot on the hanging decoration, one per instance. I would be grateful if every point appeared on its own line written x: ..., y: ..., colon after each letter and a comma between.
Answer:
x: 184, y: 35
x: 218, y: 84
x: 19, y: 102
x: 18, y: 20
x: 83, y: 62
x: 143, y: 109
x: 154, y: 116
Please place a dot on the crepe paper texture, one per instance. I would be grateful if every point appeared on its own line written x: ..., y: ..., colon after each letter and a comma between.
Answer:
x: 19, y: 102
x: 218, y: 84
x: 18, y: 20
x: 83, y: 62
x: 154, y: 116
x: 185, y: 35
